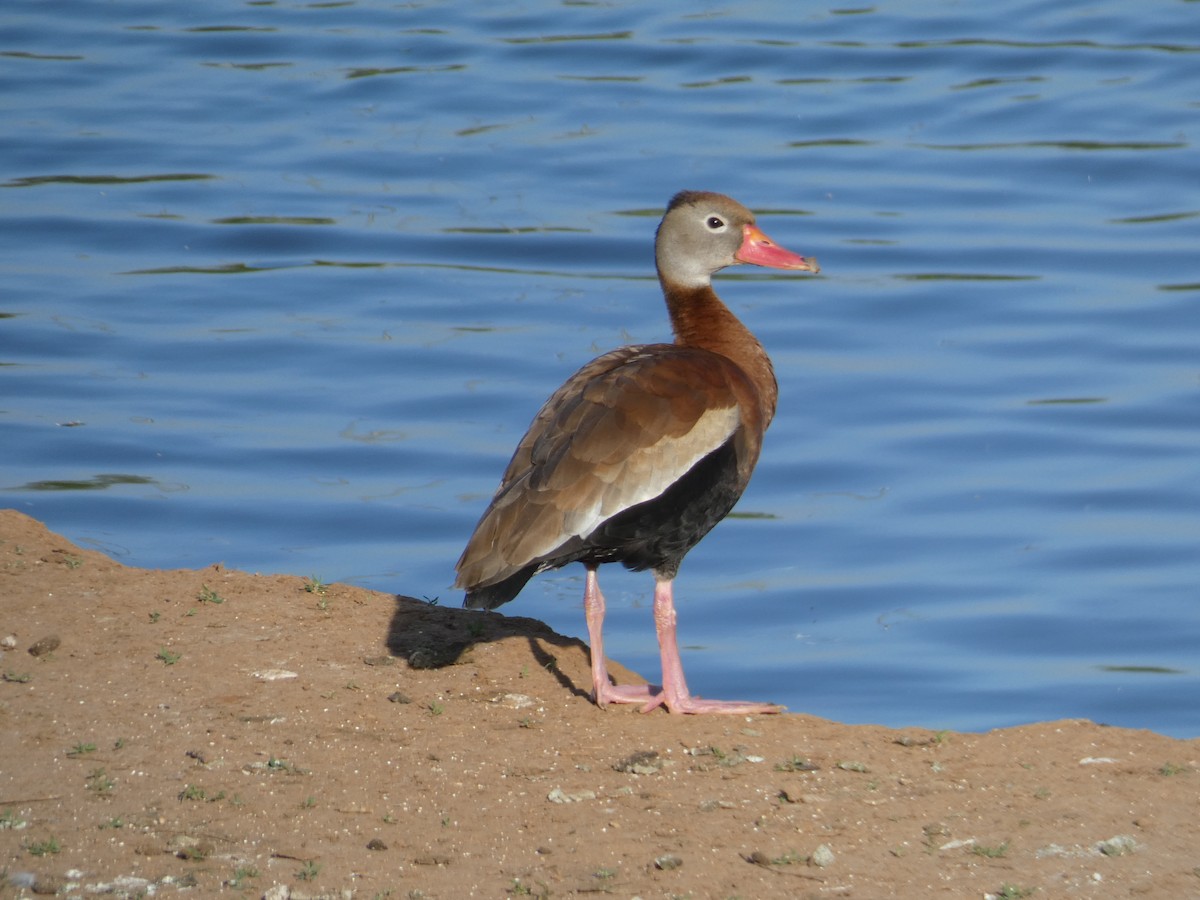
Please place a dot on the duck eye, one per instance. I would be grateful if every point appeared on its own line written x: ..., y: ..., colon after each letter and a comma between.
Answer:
x: 715, y: 223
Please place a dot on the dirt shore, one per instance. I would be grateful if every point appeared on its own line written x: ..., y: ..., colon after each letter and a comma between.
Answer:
x: 262, y: 735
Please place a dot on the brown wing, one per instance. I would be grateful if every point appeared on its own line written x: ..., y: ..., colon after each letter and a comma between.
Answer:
x: 619, y: 432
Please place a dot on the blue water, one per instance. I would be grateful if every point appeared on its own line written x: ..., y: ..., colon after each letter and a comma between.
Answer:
x: 282, y: 285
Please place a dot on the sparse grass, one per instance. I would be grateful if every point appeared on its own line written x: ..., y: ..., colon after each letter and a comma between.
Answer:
x: 99, y: 783
x: 309, y: 871
x: 81, y: 749
x: 790, y: 858
x: 169, y: 657
x: 1171, y: 769
x: 72, y: 562
x: 241, y: 875
x: 795, y: 764
x: 114, y: 822
x: 155, y: 616
x: 18, y: 678
x: 192, y: 792
x: 308, y: 802
x: 277, y: 764
x: 45, y: 848
x: 208, y: 595
x: 999, y: 851
x: 195, y: 853
x: 9, y: 820
x: 195, y: 792
x: 436, y: 708
x: 1013, y: 892
x: 315, y: 585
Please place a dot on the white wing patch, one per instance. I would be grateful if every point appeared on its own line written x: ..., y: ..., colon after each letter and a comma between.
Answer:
x: 650, y: 470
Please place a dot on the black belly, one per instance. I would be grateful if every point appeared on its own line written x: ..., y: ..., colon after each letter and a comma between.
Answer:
x: 658, y: 533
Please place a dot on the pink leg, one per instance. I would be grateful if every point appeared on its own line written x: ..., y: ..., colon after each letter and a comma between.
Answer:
x: 675, y: 695
x: 603, y: 690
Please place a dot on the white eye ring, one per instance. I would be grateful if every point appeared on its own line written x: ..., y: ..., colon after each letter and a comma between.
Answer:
x: 714, y: 223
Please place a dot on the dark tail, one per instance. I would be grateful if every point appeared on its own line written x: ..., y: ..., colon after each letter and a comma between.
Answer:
x: 492, y: 595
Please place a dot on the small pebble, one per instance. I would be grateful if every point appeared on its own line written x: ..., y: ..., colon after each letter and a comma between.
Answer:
x: 1117, y: 846
x: 45, y: 645
x: 558, y: 795
x: 821, y: 857
x: 643, y: 762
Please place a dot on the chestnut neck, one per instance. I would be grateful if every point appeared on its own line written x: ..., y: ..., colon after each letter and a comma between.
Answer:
x: 700, y: 319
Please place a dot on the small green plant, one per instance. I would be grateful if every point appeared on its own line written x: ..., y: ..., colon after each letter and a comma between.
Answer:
x: 1171, y: 769
x: 999, y: 851
x: 9, y: 820
x: 309, y: 871
x: 193, y: 792
x: 795, y: 764
x: 81, y: 749
x: 1013, y: 892
x: 98, y: 782
x: 790, y: 858
x: 275, y: 764
x: 308, y: 802
x: 241, y: 875
x: 114, y: 822
x: 169, y: 657
x: 431, y: 601
x: 73, y: 562
x: 315, y: 585
x: 155, y: 616
x: 195, y: 853
x: 45, y: 848
x: 208, y: 595
x: 436, y: 708
x: 15, y: 678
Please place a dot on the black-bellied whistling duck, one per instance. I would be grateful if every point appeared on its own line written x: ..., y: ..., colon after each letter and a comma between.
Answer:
x: 643, y: 450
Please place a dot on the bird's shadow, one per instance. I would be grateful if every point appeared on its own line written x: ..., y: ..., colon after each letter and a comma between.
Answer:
x: 429, y: 636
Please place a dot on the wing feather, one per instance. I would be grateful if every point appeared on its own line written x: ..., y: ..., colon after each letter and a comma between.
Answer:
x: 619, y: 432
